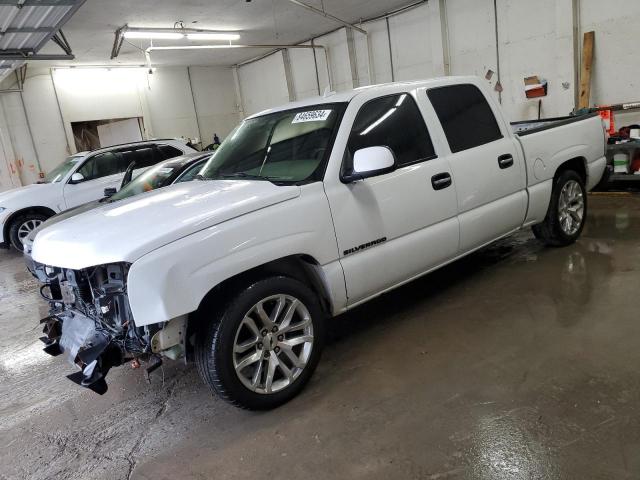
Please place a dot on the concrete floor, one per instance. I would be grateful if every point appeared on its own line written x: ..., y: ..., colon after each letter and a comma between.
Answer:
x: 517, y: 362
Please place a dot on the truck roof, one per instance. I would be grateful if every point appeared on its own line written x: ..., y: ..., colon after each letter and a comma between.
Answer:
x: 372, y: 90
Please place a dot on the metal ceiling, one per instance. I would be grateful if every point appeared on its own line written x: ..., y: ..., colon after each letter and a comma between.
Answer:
x: 27, y: 25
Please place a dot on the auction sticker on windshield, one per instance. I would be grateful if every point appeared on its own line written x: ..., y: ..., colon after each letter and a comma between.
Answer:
x: 311, y: 116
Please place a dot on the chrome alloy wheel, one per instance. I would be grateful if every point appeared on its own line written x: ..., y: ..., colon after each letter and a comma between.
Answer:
x: 571, y: 207
x: 273, y: 344
x: 27, y: 227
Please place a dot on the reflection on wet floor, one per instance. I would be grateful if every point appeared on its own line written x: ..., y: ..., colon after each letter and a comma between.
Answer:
x: 515, y: 362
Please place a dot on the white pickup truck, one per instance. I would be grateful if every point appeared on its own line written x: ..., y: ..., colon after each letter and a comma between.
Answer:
x: 304, y: 212
x: 81, y: 178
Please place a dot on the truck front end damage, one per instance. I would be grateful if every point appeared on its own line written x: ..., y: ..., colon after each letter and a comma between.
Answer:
x: 90, y: 321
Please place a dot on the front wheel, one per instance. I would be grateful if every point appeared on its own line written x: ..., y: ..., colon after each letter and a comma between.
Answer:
x: 261, y: 350
x: 22, y: 226
x: 567, y: 212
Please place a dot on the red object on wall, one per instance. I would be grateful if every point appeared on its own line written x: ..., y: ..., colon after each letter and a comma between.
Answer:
x: 607, y: 118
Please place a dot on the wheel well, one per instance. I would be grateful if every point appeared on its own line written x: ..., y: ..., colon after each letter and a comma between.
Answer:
x: 41, y: 210
x: 577, y: 165
x: 303, y: 268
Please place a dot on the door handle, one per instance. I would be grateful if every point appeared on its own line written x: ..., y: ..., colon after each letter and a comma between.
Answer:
x: 505, y: 161
x: 440, y: 181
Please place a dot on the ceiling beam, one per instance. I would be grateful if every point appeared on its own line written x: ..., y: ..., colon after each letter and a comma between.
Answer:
x: 28, y: 30
x: 75, y: 5
x: 6, y: 55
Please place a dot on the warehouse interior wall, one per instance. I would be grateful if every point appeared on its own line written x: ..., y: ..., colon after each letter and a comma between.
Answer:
x: 193, y: 102
x: 438, y: 37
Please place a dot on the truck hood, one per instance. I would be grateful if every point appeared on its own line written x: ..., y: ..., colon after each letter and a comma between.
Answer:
x: 125, y: 231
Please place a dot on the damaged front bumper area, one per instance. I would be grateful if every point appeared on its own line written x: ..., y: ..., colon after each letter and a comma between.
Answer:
x: 90, y: 321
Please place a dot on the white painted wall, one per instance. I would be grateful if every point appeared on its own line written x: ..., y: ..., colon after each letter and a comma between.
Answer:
x: 263, y: 84
x: 216, y: 102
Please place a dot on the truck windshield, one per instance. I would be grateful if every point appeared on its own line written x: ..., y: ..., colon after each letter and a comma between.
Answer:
x: 284, y: 147
x: 57, y: 174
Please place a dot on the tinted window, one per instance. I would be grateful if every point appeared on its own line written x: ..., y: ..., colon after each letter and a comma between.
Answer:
x: 146, y: 157
x: 102, y: 165
x: 168, y: 151
x: 465, y: 115
x: 393, y: 122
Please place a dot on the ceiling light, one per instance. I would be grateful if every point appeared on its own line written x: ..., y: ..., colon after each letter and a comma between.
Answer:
x: 153, y: 35
x: 195, y: 47
x: 213, y: 36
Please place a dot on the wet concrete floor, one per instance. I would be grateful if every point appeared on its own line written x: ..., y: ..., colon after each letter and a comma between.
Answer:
x: 516, y: 362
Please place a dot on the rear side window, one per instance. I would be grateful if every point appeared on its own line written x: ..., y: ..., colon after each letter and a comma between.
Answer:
x: 146, y: 157
x: 465, y: 115
x: 394, y: 122
x: 168, y: 151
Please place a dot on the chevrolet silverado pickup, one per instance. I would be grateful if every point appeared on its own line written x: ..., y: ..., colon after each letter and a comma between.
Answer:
x: 306, y: 211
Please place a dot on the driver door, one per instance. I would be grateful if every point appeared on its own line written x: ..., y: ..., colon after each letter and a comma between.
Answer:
x: 395, y: 226
x: 104, y: 170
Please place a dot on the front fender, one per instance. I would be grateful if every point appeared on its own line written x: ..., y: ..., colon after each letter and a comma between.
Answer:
x: 172, y: 280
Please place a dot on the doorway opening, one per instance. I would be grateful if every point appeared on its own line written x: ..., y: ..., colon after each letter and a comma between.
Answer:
x: 94, y: 134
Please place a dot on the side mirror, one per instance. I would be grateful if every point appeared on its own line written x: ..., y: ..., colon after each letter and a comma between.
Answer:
x: 109, y: 192
x: 77, y: 178
x: 369, y: 162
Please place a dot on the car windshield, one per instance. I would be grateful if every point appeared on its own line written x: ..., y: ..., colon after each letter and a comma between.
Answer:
x: 155, y: 177
x: 57, y: 174
x: 288, y: 146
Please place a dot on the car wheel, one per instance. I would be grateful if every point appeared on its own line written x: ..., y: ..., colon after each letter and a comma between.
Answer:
x: 23, y: 226
x: 261, y: 350
x: 567, y: 212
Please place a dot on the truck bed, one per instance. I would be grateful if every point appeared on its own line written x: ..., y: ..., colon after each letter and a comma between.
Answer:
x: 527, y: 127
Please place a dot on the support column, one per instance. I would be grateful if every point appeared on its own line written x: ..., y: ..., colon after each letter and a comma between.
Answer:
x: 439, y: 36
x: 353, y: 61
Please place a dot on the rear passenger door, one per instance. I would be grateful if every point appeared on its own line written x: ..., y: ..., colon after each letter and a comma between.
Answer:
x: 488, y: 169
x: 397, y: 225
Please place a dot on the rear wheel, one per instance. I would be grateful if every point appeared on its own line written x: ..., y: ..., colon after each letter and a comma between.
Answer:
x: 22, y: 226
x: 567, y: 212
x: 261, y: 350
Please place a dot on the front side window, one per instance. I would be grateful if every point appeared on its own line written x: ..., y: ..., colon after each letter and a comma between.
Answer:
x: 395, y: 122
x: 289, y: 146
x: 465, y: 115
x: 57, y: 174
x: 102, y: 165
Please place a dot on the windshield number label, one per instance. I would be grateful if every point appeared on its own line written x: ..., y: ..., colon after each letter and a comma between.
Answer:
x: 312, y: 116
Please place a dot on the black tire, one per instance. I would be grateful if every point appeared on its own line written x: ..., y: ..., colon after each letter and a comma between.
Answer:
x: 214, y: 353
x: 550, y: 231
x: 14, y: 229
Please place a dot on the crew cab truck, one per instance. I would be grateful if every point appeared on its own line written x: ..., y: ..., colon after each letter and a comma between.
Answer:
x: 81, y: 178
x: 304, y: 212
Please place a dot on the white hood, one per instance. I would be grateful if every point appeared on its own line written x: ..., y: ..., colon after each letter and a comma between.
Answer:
x: 125, y: 231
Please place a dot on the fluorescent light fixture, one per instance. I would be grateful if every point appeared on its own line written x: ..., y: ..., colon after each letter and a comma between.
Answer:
x: 149, y: 34
x: 213, y: 36
x: 194, y: 47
